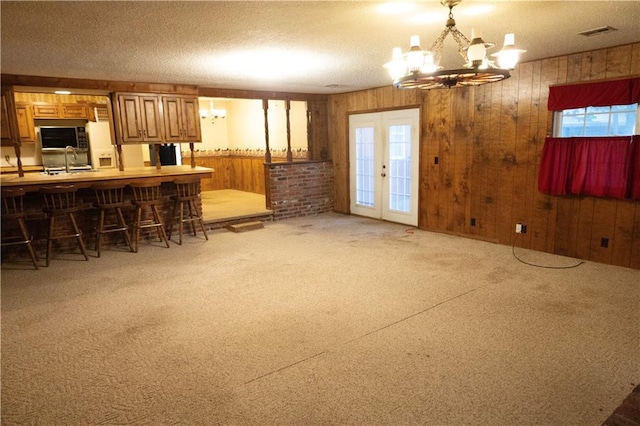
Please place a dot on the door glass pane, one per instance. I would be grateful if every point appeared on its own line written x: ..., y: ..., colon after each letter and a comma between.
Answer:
x: 364, y: 166
x: 399, y: 173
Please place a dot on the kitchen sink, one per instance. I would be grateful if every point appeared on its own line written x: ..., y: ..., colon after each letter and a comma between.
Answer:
x: 57, y: 171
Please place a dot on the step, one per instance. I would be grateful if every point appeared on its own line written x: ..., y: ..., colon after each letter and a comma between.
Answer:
x: 246, y: 226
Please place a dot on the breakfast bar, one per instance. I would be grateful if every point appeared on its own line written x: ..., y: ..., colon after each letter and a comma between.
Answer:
x: 32, y: 182
x: 84, y: 185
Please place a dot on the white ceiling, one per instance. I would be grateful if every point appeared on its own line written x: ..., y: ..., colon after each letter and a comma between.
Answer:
x: 301, y: 46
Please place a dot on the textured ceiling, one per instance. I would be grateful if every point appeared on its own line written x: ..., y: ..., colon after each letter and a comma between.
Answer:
x: 303, y: 46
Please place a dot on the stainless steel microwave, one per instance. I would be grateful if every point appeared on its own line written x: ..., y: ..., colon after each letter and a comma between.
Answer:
x: 56, y: 137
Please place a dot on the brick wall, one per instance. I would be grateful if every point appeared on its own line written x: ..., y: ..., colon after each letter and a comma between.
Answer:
x: 299, y: 188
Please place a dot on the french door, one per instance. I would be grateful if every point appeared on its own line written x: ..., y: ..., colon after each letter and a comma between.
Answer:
x: 383, y: 157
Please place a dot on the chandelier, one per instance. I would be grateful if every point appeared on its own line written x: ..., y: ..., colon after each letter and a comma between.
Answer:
x: 213, y: 113
x: 420, y: 69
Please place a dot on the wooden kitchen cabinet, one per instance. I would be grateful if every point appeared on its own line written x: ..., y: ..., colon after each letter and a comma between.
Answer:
x: 139, y: 118
x: 26, y: 126
x: 73, y: 111
x: 45, y: 111
x: 181, y: 116
x: 7, y: 134
x: 10, y: 125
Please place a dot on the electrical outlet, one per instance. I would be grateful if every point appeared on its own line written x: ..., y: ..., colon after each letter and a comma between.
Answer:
x: 518, y: 228
x: 604, y: 242
x: 473, y: 221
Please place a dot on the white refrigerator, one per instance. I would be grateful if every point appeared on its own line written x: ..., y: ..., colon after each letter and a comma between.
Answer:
x: 103, y: 152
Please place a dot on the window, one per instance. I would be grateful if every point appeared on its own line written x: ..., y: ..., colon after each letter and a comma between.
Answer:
x: 616, y: 120
x: 595, y: 149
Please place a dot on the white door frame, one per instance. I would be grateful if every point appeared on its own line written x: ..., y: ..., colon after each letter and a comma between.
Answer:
x: 377, y: 165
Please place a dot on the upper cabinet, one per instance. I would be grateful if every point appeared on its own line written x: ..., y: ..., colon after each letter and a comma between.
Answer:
x: 46, y: 110
x: 26, y: 126
x: 151, y: 118
x: 139, y: 118
x: 9, y: 132
x: 42, y: 110
x: 74, y: 111
x: 181, y: 119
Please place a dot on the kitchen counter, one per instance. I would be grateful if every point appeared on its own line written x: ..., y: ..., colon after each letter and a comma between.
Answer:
x: 14, y: 169
x: 34, y: 181
x: 83, y: 181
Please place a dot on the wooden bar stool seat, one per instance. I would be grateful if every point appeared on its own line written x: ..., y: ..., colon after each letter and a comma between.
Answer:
x: 110, y: 199
x: 60, y: 201
x: 146, y: 197
x: 188, y: 192
x: 13, y: 211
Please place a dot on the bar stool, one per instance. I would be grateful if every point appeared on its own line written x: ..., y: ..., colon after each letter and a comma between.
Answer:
x: 188, y: 191
x: 110, y: 198
x: 59, y: 201
x: 13, y: 210
x: 146, y: 196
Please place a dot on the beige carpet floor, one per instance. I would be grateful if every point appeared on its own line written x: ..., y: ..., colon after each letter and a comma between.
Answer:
x: 329, y: 319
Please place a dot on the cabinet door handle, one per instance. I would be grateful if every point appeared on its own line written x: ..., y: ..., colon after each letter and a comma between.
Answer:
x: 140, y: 133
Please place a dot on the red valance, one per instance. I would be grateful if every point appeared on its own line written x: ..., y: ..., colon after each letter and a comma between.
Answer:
x: 597, y: 166
x: 604, y: 93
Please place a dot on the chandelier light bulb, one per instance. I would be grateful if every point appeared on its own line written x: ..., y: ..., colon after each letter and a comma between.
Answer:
x: 509, y: 40
x: 509, y: 56
x: 429, y: 65
x: 415, y: 56
x: 396, y: 67
x: 477, y: 51
x: 396, y: 54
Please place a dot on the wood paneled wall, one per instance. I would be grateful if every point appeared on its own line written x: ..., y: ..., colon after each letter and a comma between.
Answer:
x: 232, y: 172
x: 54, y: 99
x: 488, y: 141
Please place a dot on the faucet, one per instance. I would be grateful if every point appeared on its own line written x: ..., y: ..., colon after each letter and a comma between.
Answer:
x: 66, y: 157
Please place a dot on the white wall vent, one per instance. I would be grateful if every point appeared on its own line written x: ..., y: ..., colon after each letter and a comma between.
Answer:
x: 597, y: 31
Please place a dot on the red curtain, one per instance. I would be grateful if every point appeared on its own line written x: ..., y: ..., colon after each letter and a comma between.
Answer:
x: 604, y: 93
x: 555, y: 166
x: 601, y: 167
x: 634, y: 172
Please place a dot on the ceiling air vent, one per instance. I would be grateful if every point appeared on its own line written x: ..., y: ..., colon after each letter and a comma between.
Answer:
x: 597, y: 31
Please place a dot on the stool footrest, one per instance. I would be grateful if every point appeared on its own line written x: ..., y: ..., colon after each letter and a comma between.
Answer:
x: 62, y: 237
x: 112, y: 228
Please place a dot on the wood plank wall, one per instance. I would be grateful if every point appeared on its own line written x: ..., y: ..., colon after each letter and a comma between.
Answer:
x: 54, y: 99
x: 488, y: 141
x: 233, y: 172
